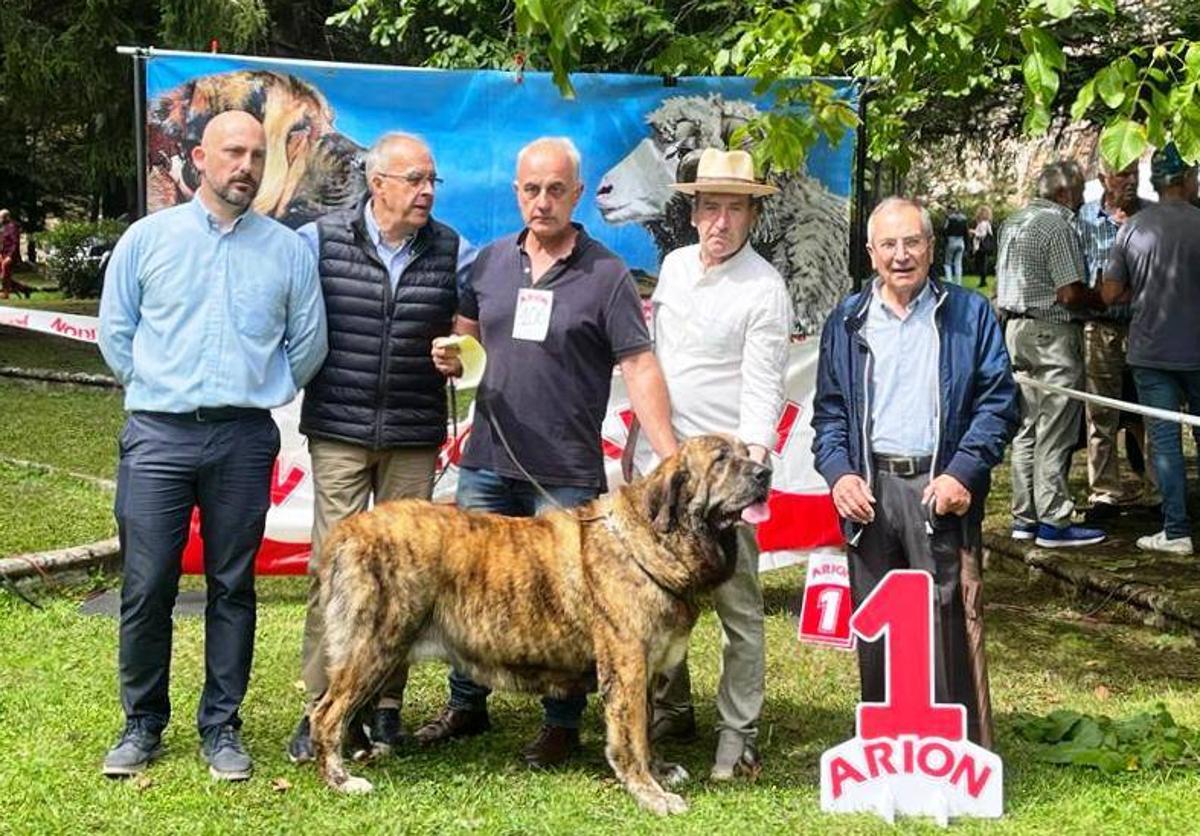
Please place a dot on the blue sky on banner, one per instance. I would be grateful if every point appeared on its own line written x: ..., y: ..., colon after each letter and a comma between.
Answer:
x: 476, y: 120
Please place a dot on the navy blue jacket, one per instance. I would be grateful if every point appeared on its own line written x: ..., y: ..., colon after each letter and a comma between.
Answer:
x: 978, y: 410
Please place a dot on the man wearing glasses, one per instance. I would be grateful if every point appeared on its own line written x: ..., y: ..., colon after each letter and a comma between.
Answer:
x: 915, y: 404
x: 556, y: 310
x: 375, y: 414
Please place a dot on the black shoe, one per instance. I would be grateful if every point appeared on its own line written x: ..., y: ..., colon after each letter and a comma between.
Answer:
x: 553, y: 747
x: 226, y: 756
x: 678, y: 727
x: 137, y: 748
x: 452, y: 723
x: 300, y: 747
x: 1101, y: 512
x: 386, y: 732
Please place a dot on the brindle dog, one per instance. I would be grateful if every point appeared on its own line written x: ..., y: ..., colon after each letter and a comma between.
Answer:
x: 548, y: 604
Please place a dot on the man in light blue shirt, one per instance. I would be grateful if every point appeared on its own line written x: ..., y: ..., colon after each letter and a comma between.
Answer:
x: 211, y: 315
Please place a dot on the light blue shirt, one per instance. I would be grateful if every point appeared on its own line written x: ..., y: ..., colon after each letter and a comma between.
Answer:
x: 904, y: 375
x: 394, y: 259
x: 195, y: 317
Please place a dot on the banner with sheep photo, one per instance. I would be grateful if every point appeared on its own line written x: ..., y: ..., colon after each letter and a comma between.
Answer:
x: 632, y: 131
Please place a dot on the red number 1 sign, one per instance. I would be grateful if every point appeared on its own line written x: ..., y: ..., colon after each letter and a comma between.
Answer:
x: 911, y: 755
x: 825, y: 610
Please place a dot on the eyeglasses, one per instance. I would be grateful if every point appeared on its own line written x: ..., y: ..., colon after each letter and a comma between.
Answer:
x: 915, y: 244
x: 415, y: 178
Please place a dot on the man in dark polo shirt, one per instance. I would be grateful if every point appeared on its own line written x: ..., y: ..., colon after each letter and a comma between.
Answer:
x: 555, y: 310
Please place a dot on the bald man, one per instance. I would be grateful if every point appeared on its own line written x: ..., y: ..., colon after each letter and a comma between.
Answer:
x: 211, y: 316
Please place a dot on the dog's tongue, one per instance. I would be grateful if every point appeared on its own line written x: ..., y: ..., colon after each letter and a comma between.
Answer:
x: 756, y: 513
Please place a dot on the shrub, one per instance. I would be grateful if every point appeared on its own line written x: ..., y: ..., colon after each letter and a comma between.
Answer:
x: 73, y: 254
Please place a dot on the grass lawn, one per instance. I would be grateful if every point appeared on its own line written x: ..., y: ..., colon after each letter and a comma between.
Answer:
x: 73, y: 429
x: 59, y: 711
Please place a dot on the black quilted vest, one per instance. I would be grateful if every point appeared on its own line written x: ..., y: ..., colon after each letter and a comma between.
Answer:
x: 378, y: 387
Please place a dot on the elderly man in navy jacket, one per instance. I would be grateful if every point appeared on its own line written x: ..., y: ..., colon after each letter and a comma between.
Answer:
x: 915, y: 404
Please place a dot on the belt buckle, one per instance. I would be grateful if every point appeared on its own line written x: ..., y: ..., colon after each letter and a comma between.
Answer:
x: 906, y: 466
x: 199, y: 415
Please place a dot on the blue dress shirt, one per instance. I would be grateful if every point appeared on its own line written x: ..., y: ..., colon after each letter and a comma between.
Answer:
x: 904, y: 375
x: 394, y: 259
x: 193, y: 316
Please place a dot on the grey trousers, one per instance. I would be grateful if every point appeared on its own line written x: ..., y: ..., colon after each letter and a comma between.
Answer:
x: 897, y: 539
x: 1041, y: 451
x: 739, y: 605
x: 1105, y: 344
x: 345, y: 476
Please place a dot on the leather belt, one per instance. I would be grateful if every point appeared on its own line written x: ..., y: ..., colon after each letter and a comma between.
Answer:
x: 212, y: 414
x: 902, y: 465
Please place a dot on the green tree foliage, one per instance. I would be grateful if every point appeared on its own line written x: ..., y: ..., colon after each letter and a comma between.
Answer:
x: 1132, y: 67
x: 66, y: 106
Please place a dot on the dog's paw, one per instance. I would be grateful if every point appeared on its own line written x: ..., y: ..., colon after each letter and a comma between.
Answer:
x: 670, y: 774
x: 663, y: 804
x: 355, y: 786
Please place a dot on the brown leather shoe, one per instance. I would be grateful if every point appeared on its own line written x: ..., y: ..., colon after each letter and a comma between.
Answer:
x: 553, y: 747
x: 452, y: 723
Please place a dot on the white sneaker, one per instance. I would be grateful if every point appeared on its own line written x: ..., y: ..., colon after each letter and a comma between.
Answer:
x: 1160, y: 542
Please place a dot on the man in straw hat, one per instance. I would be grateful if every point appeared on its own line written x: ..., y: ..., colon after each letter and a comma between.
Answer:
x: 915, y: 404
x: 722, y: 316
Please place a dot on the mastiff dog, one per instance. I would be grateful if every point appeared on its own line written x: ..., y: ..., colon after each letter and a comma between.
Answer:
x: 602, y: 595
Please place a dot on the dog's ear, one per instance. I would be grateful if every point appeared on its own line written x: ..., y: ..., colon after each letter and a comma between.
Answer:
x: 662, y: 498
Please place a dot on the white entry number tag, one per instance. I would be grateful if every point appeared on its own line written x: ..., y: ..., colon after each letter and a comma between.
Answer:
x: 532, y: 319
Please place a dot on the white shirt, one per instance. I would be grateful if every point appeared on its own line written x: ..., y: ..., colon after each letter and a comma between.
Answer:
x: 721, y: 336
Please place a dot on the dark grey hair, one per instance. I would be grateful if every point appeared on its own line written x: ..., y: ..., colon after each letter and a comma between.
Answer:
x: 1058, y: 176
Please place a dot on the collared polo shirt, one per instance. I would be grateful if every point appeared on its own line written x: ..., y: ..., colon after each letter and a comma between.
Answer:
x: 549, y: 397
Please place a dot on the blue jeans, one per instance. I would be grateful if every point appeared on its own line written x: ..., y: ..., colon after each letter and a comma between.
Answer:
x: 955, y: 247
x: 1168, y: 389
x: 485, y: 490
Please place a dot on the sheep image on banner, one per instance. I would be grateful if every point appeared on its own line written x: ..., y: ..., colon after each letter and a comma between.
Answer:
x: 803, y: 231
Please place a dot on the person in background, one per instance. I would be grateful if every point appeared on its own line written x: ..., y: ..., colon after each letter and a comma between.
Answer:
x: 1105, y: 343
x: 1154, y: 265
x: 955, y: 235
x: 983, y: 243
x: 1041, y: 290
x: 10, y: 257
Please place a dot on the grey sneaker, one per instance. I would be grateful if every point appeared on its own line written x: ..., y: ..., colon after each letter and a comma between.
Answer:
x: 226, y: 757
x: 135, y: 750
x: 1160, y: 542
x: 735, y: 757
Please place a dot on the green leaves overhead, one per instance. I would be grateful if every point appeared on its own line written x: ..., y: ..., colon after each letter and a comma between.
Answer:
x: 913, y: 57
x: 1122, y: 142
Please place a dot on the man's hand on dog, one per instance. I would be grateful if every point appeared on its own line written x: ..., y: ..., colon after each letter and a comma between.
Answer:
x: 853, y: 498
x: 446, y: 357
x: 948, y: 495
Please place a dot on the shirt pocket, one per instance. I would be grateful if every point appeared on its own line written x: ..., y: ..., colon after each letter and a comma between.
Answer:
x: 259, y: 306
